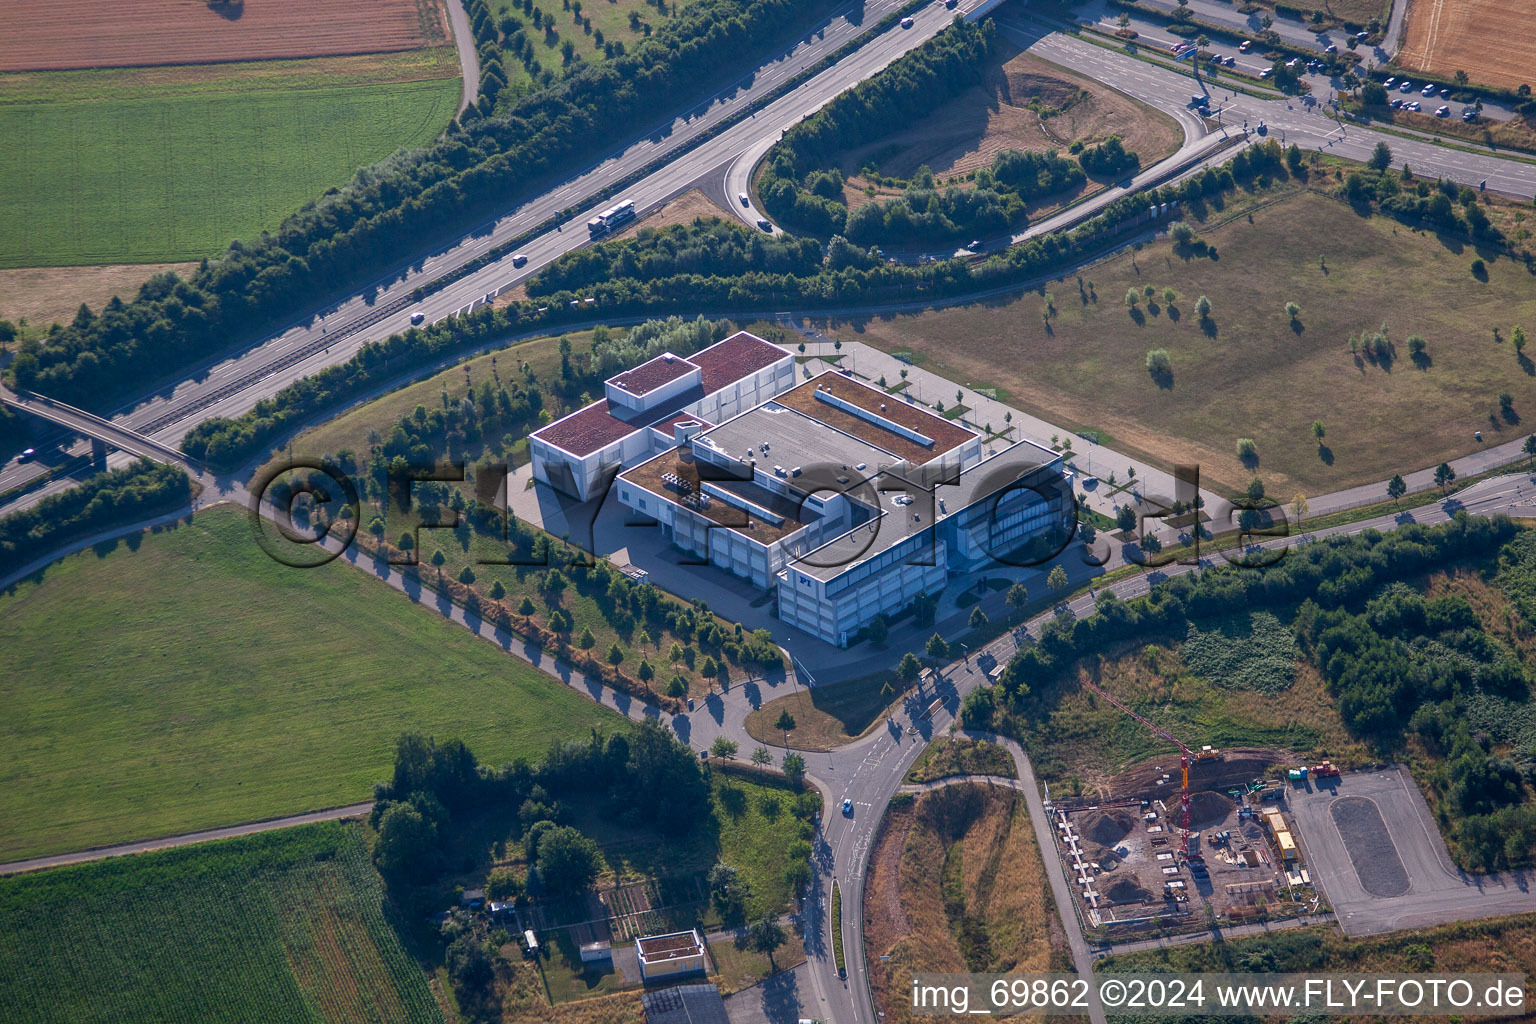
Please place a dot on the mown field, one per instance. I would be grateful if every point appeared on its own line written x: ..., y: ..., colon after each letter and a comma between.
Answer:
x: 187, y: 681
x: 587, y: 27
x: 1251, y: 372
x: 289, y: 926
x: 166, y: 164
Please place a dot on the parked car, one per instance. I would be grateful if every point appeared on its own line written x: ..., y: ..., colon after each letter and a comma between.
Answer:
x: 1396, y: 103
x: 1331, y: 48
x: 1415, y: 105
x: 1469, y: 114
x: 417, y: 318
x: 906, y: 22
x: 1362, y: 36
x: 1445, y: 93
x: 1405, y: 86
x: 520, y: 259
x: 1444, y: 111
x: 1428, y: 90
x: 1389, y: 83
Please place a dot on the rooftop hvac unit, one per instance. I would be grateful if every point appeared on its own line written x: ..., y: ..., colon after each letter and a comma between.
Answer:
x: 795, y: 471
x: 778, y: 470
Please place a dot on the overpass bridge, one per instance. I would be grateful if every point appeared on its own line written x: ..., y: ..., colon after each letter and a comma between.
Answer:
x: 102, y: 432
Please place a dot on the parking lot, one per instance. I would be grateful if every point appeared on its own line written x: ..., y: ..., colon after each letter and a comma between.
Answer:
x: 1373, y: 848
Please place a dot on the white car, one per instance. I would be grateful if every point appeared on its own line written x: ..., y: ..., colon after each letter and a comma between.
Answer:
x: 1443, y: 112
x: 417, y: 318
x: 1266, y: 72
x: 1389, y: 83
x: 746, y: 200
x: 1405, y: 86
x: 519, y: 260
x: 27, y: 455
x: 1230, y: 62
x: 906, y: 22
x: 1428, y: 90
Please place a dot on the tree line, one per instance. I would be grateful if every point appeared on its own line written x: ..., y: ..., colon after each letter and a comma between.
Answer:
x: 109, y: 499
x: 389, y: 211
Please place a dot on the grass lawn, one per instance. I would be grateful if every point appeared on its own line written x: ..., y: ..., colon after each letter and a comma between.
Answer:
x: 961, y: 755
x: 608, y: 17
x: 186, y: 681
x: 737, y: 968
x: 956, y: 883
x: 149, y: 166
x: 286, y: 926
x: 825, y: 716
x: 1249, y: 372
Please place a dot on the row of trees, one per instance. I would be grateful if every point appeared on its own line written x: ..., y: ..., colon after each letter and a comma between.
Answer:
x: 391, y: 210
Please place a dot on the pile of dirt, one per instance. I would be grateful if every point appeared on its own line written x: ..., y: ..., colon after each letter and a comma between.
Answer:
x: 1207, y: 809
x: 1126, y: 891
x: 1106, y: 827
x: 1104, y: 857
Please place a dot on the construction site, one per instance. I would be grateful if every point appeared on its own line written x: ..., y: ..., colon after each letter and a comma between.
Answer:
x: 1206, y: 835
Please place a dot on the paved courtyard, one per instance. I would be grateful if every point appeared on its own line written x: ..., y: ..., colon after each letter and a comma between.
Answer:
x: 1371, y: 843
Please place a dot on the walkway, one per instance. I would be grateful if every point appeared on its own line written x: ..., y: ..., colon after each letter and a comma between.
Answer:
x: 469, y: 56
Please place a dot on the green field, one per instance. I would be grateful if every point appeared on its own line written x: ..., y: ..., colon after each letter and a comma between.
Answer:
x: 284, y: 927
x: 174, y: 171
x: 194, y: 682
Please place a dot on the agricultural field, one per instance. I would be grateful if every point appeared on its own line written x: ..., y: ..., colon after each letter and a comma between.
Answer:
x: 285, y: 926
x: 1249, y: 371
x: 49, y: 295
x: 1488, y: 39
x: 1027, y: 104
x: 169, y: 164
x: 60, y: 34
x: 184, y: 680
x: 956, y: 883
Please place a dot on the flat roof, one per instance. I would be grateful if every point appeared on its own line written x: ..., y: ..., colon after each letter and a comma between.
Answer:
x: 652, y: 374
x: 673, y: 946
x: 945, y: 435
x: 897, y: 522
x: 685, y: 1004
x: 681, y: 464
x: 594, y: 427
x: 666, y: 425
x: 794, y: 439
x: 726, y: 362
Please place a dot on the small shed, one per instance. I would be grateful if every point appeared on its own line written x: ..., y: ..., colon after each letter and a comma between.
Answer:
x: 596, y: 952
x: 471, y: 898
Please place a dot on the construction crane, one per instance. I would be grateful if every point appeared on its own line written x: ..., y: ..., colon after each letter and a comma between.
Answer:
x: 1185, y: 757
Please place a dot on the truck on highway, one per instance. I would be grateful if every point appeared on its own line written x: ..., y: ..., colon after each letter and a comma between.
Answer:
x: 611, y: 218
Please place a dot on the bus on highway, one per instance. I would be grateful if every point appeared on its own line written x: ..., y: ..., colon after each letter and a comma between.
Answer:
x: 611, y: 218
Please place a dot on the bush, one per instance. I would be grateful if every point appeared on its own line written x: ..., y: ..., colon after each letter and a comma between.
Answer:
x: 1158, y: 363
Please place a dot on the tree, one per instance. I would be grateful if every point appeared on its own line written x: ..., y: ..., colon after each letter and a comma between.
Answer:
x: 879, y: 629
x: 1299, y: 507
x: 498, y: 591
x: 794, y: 766
x: 438, y: 558
x: 724, y: 747
x: 1444, y: 475
x: 1319, y: 431
x: 503, y: 885
x: 1396, y: 488
x: 586, y: 640
x: 1132, y: 297
x: 1158, y: 363
x: 1247, y: 449
x: 406, y: 542
x: 469, y: 965
x: 1169, y: 296
x: 761, y: 757
x: 728, y: 890
x: 765, y: 936
x: 1292, y: 310
x: 466, y: 575
x: 526, y: 607
x: 567, y: 861
x: 1125, y: 518
x: 785, y: 721
x: 615, y: 654
x: 1017, y: 597
x: 910, y: 667
x: 407, y: 844
x: 978, y: 618
x: 644, y: 671
x: 1381, y: 157
x: 1517, y: 337
x: 1057, y: 580
x: 1203, y: 308
x: 937, y: 647
x: 1461, y: 77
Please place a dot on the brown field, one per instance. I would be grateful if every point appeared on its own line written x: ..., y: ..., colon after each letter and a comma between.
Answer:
x: 46, y: 295
x: 956, y: 883
x: 1026, y: 104
x: 64, y: 34
x: 1491, y: 40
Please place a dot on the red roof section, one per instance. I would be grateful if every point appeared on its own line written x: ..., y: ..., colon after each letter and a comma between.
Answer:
x: 650, y: 375
x: 728, y: 361
x: 666, y: 425
x: 586, y: 430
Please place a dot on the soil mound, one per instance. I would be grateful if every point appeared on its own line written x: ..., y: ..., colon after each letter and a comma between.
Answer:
x: 1207, y: 809
x: 1107, y: 827
x: 1126, y: 891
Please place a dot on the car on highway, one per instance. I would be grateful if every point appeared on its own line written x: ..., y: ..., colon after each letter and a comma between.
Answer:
x: 1245, y: 46
x: 1443, y: 111
x: 1266, y: 72
x: 417, y: 318
x: 27, y: 455
x: 746, y: 200
x: 975, y: 245
x: 951, y: 3
x: 520, y: 259
x: 763, y: 223
x: 847, y: 807
x: 906, y: 22
x: 1230, y: 62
